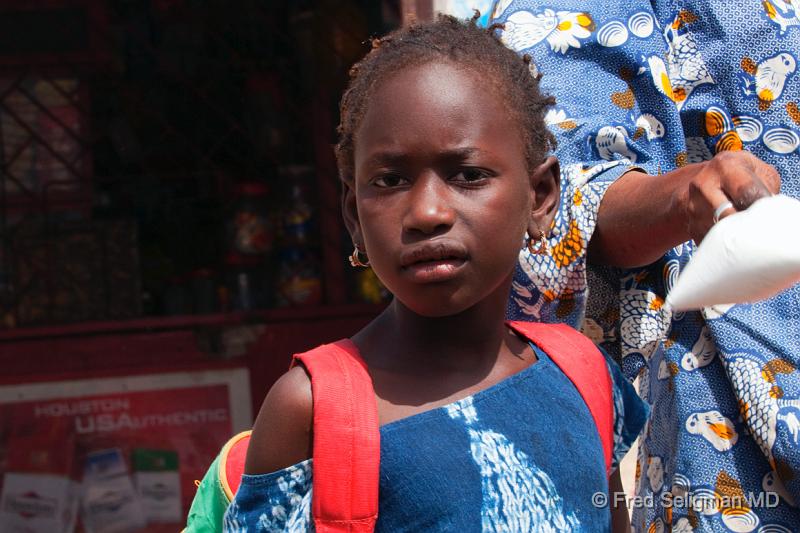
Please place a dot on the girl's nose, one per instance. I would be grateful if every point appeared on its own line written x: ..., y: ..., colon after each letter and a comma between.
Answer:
x: 430, y: 208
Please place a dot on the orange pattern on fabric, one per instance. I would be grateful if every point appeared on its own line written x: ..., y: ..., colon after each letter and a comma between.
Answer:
x: 679, y: 94
x: 625, y: 99
x: 731, y: 499
x: 586, y: 21
x: 794, y: 112
x: 776, y: 366
x: 570, y: 247
x: 730, y: 142
x: 722, y: 431
x: 744, y: 409
x: 749, y: 66
x: 714, y: 123
x: 687, y: 17
x: 656, y: 304
x: 769, y: 9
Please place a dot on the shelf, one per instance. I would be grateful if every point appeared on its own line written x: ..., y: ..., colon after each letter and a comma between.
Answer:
x: 154, y: 324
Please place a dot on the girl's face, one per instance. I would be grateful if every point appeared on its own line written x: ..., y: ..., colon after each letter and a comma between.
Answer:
x: 442, y: 196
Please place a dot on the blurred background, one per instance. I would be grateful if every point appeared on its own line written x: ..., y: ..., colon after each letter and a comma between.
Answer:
x: 172, y: 158
x: 169, y: 235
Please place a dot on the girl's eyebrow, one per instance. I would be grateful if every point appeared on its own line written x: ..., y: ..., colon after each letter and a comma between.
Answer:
x: 389, y: 157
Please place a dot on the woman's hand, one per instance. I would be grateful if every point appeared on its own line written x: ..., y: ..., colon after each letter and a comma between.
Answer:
x: 643, y: 216
x: 734, y: 179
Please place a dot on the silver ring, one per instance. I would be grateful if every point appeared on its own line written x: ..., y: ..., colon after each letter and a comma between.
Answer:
x: 721, y: 209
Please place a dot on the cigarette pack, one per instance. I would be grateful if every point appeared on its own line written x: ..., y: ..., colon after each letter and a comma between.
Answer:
x: 158, y: 483
x: 110, y: 504
x: 38, y: 503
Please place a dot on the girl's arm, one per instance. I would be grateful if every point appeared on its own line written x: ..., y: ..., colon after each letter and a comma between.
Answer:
x: 282, y: 433
x: 620, y: 519
x: 642, y: 216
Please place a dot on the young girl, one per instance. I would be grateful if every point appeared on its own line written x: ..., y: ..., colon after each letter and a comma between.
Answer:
x: 479, y: 429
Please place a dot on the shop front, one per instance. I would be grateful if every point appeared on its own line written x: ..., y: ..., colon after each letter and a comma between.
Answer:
x: 169, y: 235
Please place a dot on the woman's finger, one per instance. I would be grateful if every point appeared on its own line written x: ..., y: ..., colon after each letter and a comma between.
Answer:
x: 706, y: 198
x: 743, y: 178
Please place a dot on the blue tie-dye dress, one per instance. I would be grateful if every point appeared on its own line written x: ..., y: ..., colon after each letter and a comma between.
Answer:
x: 521, y: 455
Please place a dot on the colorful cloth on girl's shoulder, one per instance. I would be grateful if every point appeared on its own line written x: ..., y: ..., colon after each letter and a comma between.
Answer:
x: 658, y: 85
x: 522, y: 455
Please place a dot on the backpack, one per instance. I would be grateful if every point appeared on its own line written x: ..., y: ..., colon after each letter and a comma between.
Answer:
x: 347, y: 436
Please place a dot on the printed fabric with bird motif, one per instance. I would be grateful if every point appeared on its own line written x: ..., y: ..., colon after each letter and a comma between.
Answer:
x: 658, y: 85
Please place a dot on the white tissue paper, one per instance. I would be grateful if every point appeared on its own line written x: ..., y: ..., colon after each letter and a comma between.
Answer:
x: 745, y: 257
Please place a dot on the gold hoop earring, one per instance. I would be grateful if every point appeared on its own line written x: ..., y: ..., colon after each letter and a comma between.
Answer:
x: 542, y: 248
x: 355, y: 261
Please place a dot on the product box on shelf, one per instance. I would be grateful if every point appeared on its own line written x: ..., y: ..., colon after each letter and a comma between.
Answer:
x: 158, y: 482
x: 110, y: 503
x: 39, y: 493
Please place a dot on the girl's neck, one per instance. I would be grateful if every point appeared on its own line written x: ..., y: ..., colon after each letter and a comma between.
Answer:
x: 400, y: 339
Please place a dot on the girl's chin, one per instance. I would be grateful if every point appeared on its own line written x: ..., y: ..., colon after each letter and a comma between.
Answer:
x: 435, y: 307
x: 440, y: 300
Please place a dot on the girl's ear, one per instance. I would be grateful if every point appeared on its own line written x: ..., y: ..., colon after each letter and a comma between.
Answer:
x: 350, y: 213
x: 546, y: 195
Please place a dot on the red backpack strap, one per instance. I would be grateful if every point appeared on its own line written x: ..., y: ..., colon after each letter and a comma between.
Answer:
x: 346, y: 439
x: 583, y: 363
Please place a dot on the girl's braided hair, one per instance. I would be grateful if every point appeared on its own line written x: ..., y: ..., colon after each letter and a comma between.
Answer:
x: 464, y: 43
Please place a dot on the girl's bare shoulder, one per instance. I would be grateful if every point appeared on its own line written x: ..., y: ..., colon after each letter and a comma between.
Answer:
x: 282, y: 433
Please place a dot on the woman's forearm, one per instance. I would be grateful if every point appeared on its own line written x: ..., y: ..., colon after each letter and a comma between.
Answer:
x: 643, y: 216
x: 639, y: 219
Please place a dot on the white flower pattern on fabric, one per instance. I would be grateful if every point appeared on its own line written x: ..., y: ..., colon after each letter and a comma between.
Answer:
x: 562, y: 30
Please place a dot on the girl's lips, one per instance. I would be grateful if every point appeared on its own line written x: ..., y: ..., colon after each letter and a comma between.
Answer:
x: 435, y: 271
x: 432, y: 251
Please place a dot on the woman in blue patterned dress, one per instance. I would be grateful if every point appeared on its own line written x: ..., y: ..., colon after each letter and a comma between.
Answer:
x: 480, y: 430
x: 687, y: 91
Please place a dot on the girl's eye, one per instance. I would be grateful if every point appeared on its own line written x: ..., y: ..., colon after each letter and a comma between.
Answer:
x: 470, y: 175
x: 389, y: 180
